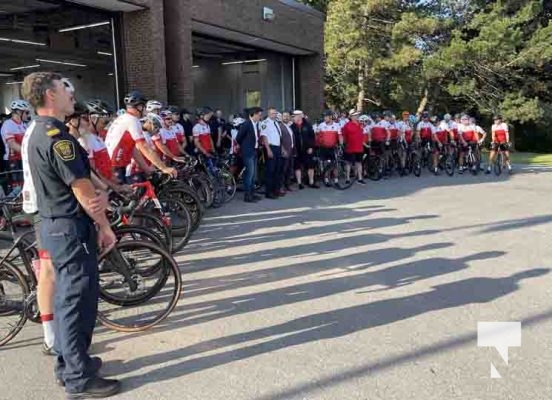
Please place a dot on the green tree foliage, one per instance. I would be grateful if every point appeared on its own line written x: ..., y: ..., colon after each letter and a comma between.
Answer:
x: 482, y: 56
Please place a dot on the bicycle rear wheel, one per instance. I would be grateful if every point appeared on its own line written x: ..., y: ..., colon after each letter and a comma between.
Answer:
x: 14, y: 291
x: 131, y: 299
x: 416, y: 165
x: 188, y: 197
x: 181, y: 222
x: 374, y: 169
x: 203, y: 188
x: 229, y: 183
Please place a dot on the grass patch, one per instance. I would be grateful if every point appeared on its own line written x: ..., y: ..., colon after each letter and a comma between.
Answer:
x: 532, y: 159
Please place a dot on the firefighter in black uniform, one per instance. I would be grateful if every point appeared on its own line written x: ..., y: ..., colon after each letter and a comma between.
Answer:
x: 68, y: 205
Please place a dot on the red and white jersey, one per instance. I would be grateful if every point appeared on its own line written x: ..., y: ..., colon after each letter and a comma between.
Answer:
x: 426, y: 130
x: 97, y: 153
x: 202, y: 132
x: 379, y: 131
x: 12, y: 130
x: 406, y: 130
x: 133, y: 168
x: 441, y: 133
x: 170, y: 139
x: 328, y: 134
x: 468, y: 132
x: 179, y: 132
x: 121, y: 139
x: 394, y: 129
x: 500, y: 131
x: 448, y: 126
x: 342, y: 122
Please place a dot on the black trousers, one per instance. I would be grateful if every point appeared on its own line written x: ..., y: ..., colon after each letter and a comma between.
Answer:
x: 287, y: 169
x: 273, y: 171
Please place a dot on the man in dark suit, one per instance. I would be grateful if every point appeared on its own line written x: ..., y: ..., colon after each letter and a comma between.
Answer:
x: 248, y: 142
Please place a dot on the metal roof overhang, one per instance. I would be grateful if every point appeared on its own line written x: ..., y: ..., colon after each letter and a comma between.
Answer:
x: 240, y: 37
x: 113, y: 5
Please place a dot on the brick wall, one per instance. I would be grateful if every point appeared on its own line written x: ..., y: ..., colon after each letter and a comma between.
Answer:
x: 144, y: 51
x: 310, y: 79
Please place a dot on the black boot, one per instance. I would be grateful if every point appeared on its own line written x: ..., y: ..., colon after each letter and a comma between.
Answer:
x: 248, y: 198
x: 97, y: 388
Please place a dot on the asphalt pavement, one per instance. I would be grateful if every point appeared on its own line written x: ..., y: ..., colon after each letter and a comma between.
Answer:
x: 370, y: 293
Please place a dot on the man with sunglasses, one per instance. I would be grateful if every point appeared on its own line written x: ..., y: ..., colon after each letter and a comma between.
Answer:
x: 126, y: 141
x: 12, y: 132
x: 166, y: 141
x: 100, y: 116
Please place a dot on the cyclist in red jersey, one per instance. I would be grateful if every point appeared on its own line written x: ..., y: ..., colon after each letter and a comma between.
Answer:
x: 440, y: 135
x: 100, y: 116
x: 177, y: 127
x: 328, y: 136
x: 468, y: 138
x: 500, y: 139
x: 166, y: 141
x: 353, y: 136
x: 406, y: 136
x: 12, y: 132
x: 125, y: 139
x: 138, y: 172
x: 425, y: 129
x: 379, y: 134
x: 202, y: 133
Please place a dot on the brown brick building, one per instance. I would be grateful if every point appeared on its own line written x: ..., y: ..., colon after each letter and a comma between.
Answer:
x: 228, y: 54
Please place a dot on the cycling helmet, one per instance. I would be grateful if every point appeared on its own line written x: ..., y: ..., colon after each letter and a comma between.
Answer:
x: 328, y: 113
x: 387, y: 114
x: 165, y: 114
x: 121, y: 112
x: 412, y: 119
x: 434, y: 119
x: 204, y: 111
x: 237, y: 121
x: 465, y: 118
x: 98, y: 107
x: 456, y: 116
x: 496, y: 117
x: 173, y: 109
x: 135, y: 98
x: 447, y: 117
x: 154, y: 119
x: 425, y: 114
x: 78, y: 110
x: 152, y: 105
x: 21, y: 105
x: 364, y: 118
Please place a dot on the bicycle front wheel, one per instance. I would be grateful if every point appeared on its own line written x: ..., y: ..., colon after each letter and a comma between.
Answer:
x: 135, y: 296
x: 337, y: 171
x: 499, y: 162
x: 14, y: 291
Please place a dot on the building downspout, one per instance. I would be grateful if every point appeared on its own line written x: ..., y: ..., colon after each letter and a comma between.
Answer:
x: 115, y: 64
x: 293, y: 81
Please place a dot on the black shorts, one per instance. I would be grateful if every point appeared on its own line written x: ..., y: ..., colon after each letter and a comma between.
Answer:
x: 378, y: 147
x: 326, y: 154
x: 503, y: 146
x: 304, y: 160
x: 353, y: 157
x: 394, y: 144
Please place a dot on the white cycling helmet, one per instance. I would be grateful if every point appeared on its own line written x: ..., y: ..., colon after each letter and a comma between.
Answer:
x: 364, y: 118
x: 237, y: 121
x: 153, y: 105
x: 154, y: 119
x: 21, y: 105
x: 68, y: 85
x: 120, y: 112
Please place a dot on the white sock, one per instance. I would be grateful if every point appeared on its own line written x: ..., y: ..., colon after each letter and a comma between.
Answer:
x: 49, y: 334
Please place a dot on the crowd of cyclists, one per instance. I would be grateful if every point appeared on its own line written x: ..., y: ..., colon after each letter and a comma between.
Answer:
x: 128, y: 145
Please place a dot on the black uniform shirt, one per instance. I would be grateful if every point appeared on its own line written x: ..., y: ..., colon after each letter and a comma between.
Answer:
x: 56, y: 160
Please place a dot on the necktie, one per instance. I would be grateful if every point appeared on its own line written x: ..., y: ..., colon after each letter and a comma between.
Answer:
x: 278, y: 128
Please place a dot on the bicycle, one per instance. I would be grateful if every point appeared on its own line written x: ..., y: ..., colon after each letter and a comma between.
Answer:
x: 335, y: 168
x: 500, y: 163
x: 120, y: 270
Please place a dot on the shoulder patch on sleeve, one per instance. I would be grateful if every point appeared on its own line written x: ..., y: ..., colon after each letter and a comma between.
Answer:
x: 65, y: 150
x: 53, y: 132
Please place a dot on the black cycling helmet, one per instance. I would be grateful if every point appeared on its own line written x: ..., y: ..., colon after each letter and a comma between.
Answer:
x: 173, y: 109
x: 204, y: 111
x: 98, y: 107
x: 497, y: 116
x: 328, y: 113
x: 425, y: 114
x: 135, y: 98
x: 78, y: 110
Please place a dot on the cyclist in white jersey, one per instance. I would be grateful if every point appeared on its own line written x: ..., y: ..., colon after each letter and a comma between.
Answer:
x: 125, y: 139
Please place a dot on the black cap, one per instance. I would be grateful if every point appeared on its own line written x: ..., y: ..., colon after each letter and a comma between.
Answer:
x: 253, y: 110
